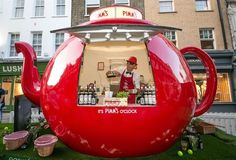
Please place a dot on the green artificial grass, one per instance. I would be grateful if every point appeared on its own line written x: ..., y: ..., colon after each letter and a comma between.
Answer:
x: 225, y: 137
x: 216, y: 147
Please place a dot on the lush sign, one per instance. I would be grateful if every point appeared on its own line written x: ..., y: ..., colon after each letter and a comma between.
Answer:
x: 13, y: 68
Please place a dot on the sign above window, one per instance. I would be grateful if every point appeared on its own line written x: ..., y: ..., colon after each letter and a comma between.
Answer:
x: 116, y: 12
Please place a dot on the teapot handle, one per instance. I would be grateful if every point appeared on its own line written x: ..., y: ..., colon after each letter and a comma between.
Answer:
x: 209, y: 66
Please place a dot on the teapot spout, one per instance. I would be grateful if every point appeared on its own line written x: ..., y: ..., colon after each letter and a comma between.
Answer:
x: 30, y: 80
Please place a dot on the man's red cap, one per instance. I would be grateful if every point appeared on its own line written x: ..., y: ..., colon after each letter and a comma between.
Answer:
x: 132, y: 59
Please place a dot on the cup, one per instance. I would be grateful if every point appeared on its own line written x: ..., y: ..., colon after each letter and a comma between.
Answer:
x: 108, y: 94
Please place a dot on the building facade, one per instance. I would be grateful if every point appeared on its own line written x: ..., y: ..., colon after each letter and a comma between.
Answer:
x: 81, y: 9
x: 204, y: 23
x: 30, y: 21
x: 195, y: 18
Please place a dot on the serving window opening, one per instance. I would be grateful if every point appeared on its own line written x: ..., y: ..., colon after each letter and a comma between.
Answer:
x: 223, y: 91
x: 104, y: 72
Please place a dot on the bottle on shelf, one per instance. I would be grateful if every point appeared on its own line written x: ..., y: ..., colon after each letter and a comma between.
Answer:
x: 142, y: 99
x: 93, y: 99
x: 81, y: 96
x: 146, y: 97
x: 94, y: 86
x: 86, y: 96
x: 78, y: 98
x: 153, y: 95
x: 89, y: 100
x: 150, y: 96
x: 103, y: 91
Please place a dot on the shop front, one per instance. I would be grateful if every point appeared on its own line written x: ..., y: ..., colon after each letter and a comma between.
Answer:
x: 225, y: 95
x: 10, y: 78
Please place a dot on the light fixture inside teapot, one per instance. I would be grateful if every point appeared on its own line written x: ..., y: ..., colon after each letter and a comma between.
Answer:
x: 108, y: 36
x: 87, y: 36
x: 114, y: 28
x: 128, y: 35
x: 145, y: 35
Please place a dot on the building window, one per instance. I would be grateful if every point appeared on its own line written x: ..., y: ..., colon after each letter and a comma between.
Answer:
x: 202, y: 5
x: 91, y: 5
x: 11, y: 84
x: 166, y: 5
x: 39, y: 8
x: 59, y: 38
x: 223, y: 91
x: 60, y: 7
x: 171, y: 35
x: 37, y: 42
x: 19, y: 10
x: 122, y: 2
x: 14, y: 37
x: 207, y: 38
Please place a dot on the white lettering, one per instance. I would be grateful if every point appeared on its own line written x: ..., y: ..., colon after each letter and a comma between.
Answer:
x: 100, y: 111
x: 19, y: 68
x: 128, y: 111
x: 14, y: 69
x: 11, y: 68
x: 117, y: 111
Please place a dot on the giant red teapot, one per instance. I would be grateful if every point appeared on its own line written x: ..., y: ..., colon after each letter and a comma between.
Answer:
x: 112, y: 131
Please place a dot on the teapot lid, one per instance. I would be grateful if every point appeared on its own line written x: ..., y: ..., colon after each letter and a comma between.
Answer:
x: 115, y: 23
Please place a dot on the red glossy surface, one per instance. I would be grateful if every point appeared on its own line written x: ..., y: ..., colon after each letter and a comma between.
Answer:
x: 208, y: 98
x: 30, y: 76
x: 118, y: 21
x: 119, y: 131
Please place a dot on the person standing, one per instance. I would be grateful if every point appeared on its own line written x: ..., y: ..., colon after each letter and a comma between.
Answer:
x: 130, y: 80
x: 2, y: 101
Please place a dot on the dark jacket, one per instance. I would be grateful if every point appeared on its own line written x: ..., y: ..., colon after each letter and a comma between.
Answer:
x: 2, y: 93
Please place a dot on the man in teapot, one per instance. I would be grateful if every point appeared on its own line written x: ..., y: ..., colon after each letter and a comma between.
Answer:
x: 129, y: 78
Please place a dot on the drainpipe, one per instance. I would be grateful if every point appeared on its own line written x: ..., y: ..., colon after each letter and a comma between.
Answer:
x: 234, y: 75
x: 222, y: 24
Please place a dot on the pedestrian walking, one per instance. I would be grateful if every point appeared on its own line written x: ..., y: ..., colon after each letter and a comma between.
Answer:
x: 2, y: 102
